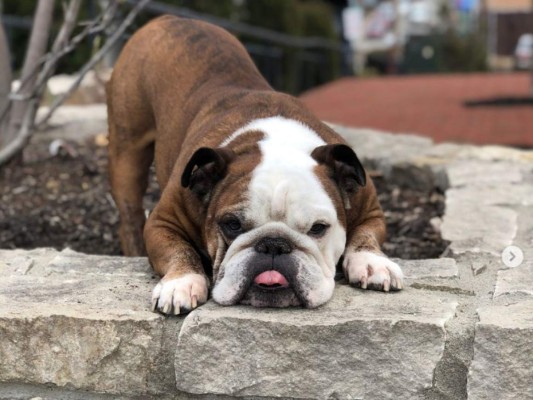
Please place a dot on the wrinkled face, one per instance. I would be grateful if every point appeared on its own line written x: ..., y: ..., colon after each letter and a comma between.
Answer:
x: 276, y: 237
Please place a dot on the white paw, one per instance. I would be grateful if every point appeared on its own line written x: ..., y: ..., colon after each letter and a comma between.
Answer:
x: 179, y: 295
x: 372, y: 271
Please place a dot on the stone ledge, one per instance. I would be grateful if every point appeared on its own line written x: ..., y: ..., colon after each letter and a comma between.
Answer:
x: 502, y: 364
x: 337, y: 351
x: 81, y: 322
x: 70, y: 321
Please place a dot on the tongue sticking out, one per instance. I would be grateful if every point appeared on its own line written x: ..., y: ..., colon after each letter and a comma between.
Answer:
x: 271, y: 278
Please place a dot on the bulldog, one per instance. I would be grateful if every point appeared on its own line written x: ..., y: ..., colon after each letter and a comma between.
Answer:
x: 260, y: 200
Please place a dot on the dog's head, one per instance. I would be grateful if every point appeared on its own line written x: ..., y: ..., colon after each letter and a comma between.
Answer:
x: 274, y: 195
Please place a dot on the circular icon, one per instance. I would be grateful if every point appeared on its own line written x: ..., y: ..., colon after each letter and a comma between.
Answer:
x: 512, y: 256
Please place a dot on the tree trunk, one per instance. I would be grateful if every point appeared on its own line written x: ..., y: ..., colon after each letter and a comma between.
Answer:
x: 5, y: 80
x: 40, y: 33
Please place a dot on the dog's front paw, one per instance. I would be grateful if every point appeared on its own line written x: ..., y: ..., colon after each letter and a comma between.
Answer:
x: 372, y: 271
x: 179, y: 295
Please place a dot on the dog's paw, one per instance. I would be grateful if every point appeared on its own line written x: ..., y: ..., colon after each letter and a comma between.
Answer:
x: 179, y: 295
x: 372, y: 271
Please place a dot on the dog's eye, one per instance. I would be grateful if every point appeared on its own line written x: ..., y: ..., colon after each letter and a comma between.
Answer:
x: 231, y: 227
x: 318, y: 229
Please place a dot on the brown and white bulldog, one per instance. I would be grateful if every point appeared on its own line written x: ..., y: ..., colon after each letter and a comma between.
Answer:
x: 253, y: 185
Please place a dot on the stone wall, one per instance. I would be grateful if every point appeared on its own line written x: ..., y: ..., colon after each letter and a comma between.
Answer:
x: 76, y: 326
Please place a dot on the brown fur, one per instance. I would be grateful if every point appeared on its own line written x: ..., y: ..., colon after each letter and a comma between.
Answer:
x: 180, y: 85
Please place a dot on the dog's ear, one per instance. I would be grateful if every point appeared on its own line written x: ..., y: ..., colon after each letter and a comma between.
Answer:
x: 344, y: 166
x: 205, y: 169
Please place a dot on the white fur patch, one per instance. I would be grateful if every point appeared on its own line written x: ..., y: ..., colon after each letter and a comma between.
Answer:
x: 372, y: 271
x: 179, y: 295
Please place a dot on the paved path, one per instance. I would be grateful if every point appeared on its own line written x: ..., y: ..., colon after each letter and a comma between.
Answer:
x: 431, y: 105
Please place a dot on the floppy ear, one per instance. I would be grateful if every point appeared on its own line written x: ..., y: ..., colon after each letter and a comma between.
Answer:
x: 205, y: 169
x: 345, y: 168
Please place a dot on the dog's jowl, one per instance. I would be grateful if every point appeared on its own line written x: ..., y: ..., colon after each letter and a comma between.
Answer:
x: 248, y: 176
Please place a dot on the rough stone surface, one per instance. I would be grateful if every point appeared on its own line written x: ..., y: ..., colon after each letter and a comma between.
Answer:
x: 495, y: 195
x: 73, y: 322
x: 436, y: 268
x: 518, y: 280
x: 75, y: 122
x: 476, y: 173
x: 502, y: 367
x: 337, y: 351
x: 476, y: 228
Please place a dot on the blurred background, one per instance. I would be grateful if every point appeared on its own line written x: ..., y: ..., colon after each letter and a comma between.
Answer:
x: 449, y: 69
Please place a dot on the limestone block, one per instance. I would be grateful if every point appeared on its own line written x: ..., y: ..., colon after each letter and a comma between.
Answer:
x: 361, y: 344
x: 476, y: 228
x: 478, y: 173
x: 91, y: 330
x: 72, y: 262
x: 502, y: 367
x: 386, y: 147
x: 518, y: 280
x: 434, y: 268
x: 75, y: 122
x: 25, y: 262
x: 501, y: 194
x: 481, y: 153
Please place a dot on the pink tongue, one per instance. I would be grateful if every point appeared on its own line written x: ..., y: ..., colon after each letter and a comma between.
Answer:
x: 270, y: 278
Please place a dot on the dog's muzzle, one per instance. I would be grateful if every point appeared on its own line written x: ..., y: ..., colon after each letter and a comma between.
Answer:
x: 271, y: 276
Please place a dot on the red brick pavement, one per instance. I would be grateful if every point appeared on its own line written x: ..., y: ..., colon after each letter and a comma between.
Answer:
x: 431, y: 105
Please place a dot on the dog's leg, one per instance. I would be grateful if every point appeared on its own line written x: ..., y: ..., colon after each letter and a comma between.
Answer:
x: 183, y: 285
x: 364, y: 264
x: 129, y: 167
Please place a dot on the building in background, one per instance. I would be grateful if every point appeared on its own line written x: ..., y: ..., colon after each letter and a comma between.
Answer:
x: 382, y: 29
x: 507, y: 20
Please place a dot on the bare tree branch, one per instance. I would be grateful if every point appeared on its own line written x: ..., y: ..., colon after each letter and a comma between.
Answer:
x: 34, y: 82
x: 13, y: 147
x: 5, y: 77
x: 37, y: 47
x: 96, y: 58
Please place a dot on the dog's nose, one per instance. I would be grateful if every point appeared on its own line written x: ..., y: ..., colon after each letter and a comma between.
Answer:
x: 273, y: 246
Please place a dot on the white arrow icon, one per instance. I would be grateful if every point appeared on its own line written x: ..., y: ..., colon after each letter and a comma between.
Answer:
x: 512, y: 256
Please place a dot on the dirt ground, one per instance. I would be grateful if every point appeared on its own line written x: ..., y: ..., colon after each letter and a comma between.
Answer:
x: 64, y: 201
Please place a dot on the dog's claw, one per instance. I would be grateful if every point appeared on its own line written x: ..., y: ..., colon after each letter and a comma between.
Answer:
x: 364, y: 282
x: 166, y: 308
x: 154, y: 304
x: 386, y: 285
x: 177, y: 309
x: 194, y: 301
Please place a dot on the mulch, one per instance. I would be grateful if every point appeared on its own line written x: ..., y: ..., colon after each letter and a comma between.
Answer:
x: 64, y: 201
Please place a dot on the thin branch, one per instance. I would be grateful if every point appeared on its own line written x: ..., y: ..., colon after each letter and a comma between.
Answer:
x: 23, y: 136
x: 42, y: 23
x: 100, y: 24
x: 95, y: 59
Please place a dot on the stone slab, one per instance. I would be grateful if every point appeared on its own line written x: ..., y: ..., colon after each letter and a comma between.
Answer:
x: 518, y: 280
x: 337, y: 351
x: 71, y: 122
x: 434, y: 268
x: 477, y: 228
x: 23, y: 262
x: 371, y: 144
x: 474, y: 173
x: 80, y: 326
x: 503, y: 195
x: 453, y: 151
x: 502, y: 367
